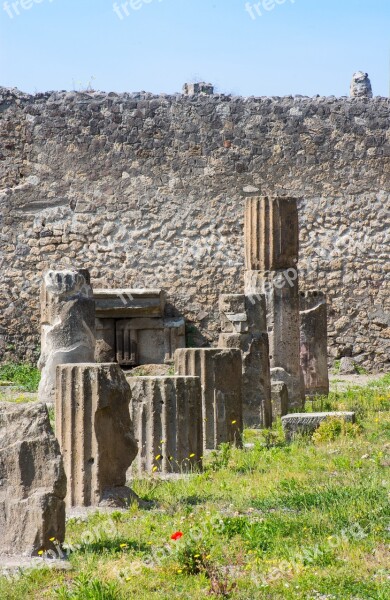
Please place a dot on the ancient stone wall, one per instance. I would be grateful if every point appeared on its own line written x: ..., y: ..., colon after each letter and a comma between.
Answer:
x: 148, y: 191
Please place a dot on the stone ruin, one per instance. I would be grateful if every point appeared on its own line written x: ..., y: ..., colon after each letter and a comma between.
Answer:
x: 32, y: 481
x: 314, y: 335
x: 244, y: 326
x: 67, y: 325
x: 271, y: 258
x: 167, y: 416
x: 112, y: 425
x: 95, y: 433
x: 133, y: 328
x: 220, y: 374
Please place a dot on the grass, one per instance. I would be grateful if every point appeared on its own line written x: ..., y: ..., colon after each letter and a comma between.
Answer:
x: 23, y: 376
x: 274, y: 521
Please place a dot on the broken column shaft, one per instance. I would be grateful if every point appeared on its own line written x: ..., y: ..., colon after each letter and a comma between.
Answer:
x: 95, y: 432
x: 271, y: 256
x: 221, y: 379
x: 167, y: 416
x: 67, y: 325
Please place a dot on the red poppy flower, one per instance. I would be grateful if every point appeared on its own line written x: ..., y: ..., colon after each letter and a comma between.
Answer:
x: 177, y: 535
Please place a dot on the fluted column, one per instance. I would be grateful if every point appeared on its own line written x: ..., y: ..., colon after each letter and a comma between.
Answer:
x: 271, y: 256
x: 244, y: 326
x: 167, y: 417
x: 94, y: 430
x: 220, y: 374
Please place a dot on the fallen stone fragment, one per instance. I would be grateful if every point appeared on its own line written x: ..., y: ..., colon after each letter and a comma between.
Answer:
x: 307, y: 423
x: 32, y: 481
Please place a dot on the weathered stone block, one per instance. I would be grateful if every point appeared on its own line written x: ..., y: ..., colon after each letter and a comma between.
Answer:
x: 220, y: 373
x: 314, y: 338
x: 32, y: 481
x: 279, y: 399
x: 282, y: 299
x: 307, y: 423
x: 246, y: 316
x: 167, y: 416
x: 68, y: 325
x: 95, y: 432
x: 347, y: 366
x: 233, y: 313
x: 192, y: 89
x: 127, y: 302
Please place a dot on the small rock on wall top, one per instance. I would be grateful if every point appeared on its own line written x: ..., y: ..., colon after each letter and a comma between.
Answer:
x: 361, y: 85
x: 191, y: 89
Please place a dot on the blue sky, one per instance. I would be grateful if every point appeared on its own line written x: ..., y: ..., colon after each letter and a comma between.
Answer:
x: 295, y: 47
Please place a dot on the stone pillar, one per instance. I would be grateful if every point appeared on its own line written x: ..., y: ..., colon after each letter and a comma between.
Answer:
x: 95, y: 432
x: 220, y: 373
x: 244, y: 326
x: 68, y: 325
x: 314, y: 342
x: 167, y: 417
x: 271, y: 256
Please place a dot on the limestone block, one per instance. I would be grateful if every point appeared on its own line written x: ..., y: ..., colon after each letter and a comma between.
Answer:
x: 256, y: 311
x: 279, y: 399
x: 68, y: 325
x: 167, y: 416
x: 127, y: 302
x: 32, y: 481
x: 256, y: 382
x: 220, y: 372
x: 94, y: 429
x: 307, y: 423
x: 361, y: 86
x: 233, y: 313
x: 347, y: 366
x: 314, y: 342
x: 270, y: 233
